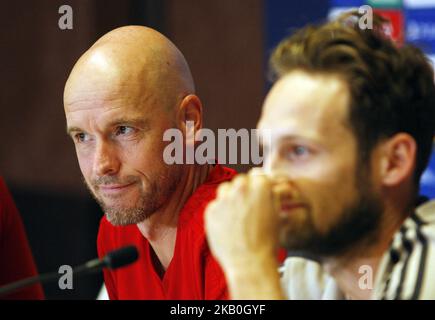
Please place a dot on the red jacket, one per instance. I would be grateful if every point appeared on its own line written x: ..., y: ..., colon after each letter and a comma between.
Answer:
x: 192, y: 273
x: 16, y: 261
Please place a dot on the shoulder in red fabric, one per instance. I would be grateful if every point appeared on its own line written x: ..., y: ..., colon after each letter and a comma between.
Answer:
x: 192, y: 273
x: 15, y: 254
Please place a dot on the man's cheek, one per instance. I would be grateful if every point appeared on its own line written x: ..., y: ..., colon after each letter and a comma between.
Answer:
x: 324, y: 207
x: 136, y: 157
x: 85, y: 167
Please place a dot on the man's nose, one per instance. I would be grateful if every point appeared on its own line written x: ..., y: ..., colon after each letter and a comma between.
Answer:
x: 106, y: 161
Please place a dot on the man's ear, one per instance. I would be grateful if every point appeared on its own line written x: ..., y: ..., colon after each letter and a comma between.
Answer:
x: 190, y: 114
x: 398, y: 157
x: 190, y: 121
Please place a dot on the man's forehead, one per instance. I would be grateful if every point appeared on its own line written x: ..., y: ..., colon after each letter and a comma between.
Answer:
x: 97, y: 77
x: 105, y: 94
x: 103, y: 106
x: 310, y: 105
x: 87, y: 98
x: 106, y: 118
x: 96, y: 87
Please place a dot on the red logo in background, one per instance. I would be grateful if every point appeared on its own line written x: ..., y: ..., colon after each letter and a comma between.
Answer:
x: 396, y: 29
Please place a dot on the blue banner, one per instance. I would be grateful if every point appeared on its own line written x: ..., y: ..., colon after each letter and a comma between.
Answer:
x: 347, y: 3
x: 420, y: 28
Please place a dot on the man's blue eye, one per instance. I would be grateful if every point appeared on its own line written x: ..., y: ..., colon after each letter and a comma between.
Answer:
x: 298, y: 152
x: 124, y: 130
x: 80, y: 137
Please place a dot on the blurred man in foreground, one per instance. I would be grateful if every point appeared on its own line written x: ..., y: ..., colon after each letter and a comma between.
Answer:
x: 352, y: 118
x: 122, y: 95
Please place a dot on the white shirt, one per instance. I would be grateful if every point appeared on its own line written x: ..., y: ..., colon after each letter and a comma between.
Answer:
x: 406, y: 271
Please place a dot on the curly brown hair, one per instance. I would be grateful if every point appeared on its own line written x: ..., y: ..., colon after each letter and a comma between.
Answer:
x: 392, y: 87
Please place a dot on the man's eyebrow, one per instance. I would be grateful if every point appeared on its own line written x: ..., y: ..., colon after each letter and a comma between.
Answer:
x: 70, y: 130
x: 140, y: 122
x: 277, y: 133
x: 283, y: 136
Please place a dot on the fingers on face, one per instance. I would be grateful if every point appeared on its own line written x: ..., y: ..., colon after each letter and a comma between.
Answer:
x: 223, y: 189
x: 260, y: 184
x: 244, y: 184
x: 240, y: 184
x: 235, y: 187
x: 209, y: 214
x: 257, y: 172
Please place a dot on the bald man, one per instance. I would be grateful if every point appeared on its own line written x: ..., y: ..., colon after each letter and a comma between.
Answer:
x: 121, y: 96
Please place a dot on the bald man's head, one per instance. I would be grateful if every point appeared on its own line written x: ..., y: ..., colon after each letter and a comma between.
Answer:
x: 133, y: 59
x: 121, y: 97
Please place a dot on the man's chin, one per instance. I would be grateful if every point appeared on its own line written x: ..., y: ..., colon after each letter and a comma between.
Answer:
x: 126, y: 216
x: 124, y: 201
x: 294, y: 240
x: 121, y: 213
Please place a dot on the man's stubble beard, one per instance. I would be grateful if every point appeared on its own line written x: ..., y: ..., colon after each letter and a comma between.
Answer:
x: 359, y: 224
x: 158, y: 191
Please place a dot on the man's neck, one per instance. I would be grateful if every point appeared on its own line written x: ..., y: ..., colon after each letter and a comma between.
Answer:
x: 161, y: 228
x: 355, y: 271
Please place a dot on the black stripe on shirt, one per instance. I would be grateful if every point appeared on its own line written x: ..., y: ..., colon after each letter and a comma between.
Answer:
x: 399, y: 289
x: 423, y: 257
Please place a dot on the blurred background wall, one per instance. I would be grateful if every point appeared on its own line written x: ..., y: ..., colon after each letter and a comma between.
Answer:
x: 226, y: 43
